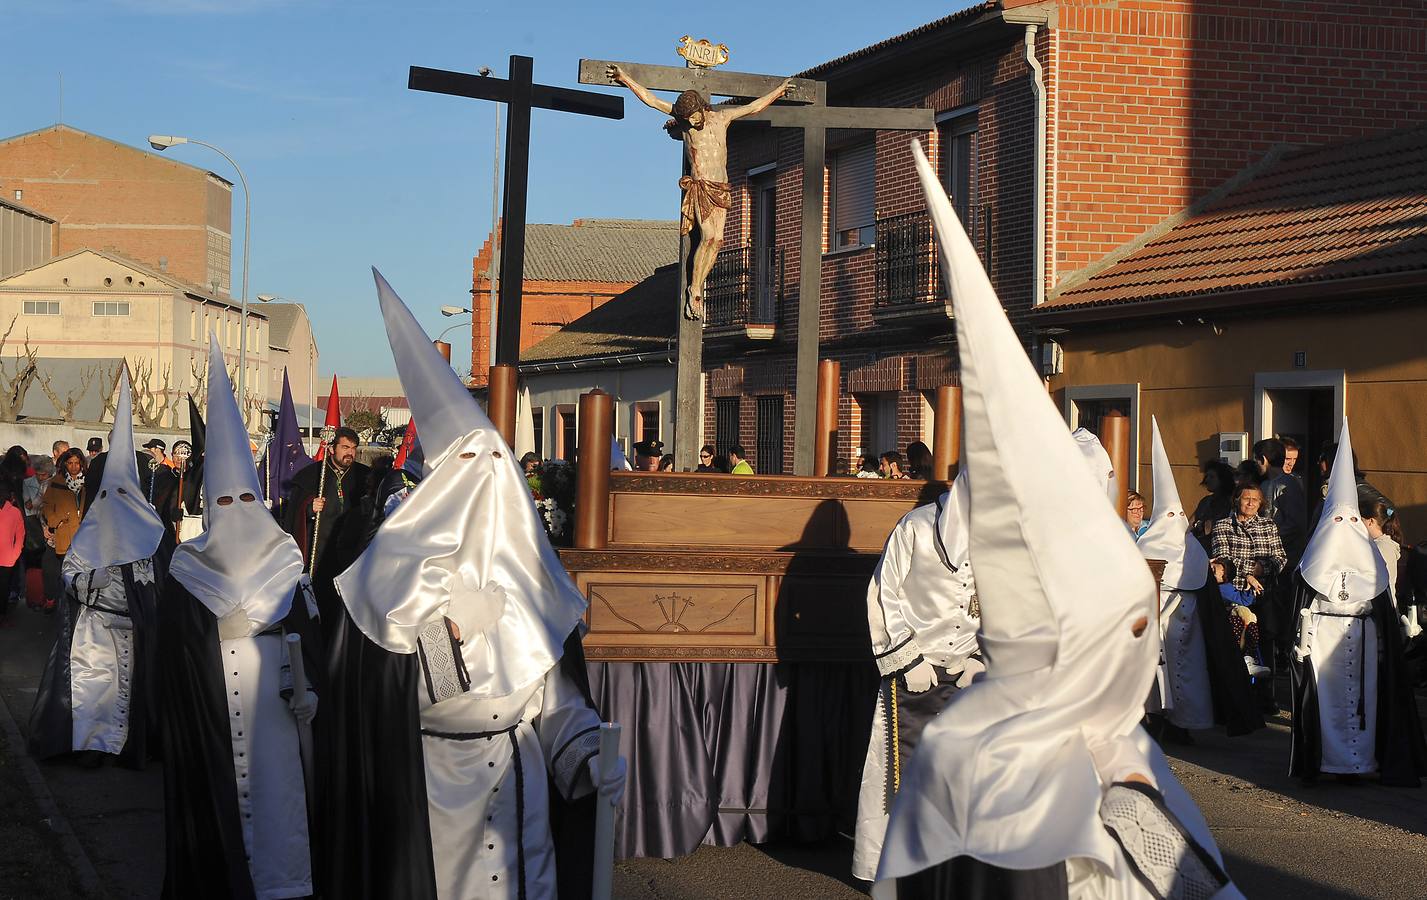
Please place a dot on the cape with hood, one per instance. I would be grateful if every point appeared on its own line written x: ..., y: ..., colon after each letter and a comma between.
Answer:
x: 1206, y: 678
x: 1354, y: 711
x: 461, y: 729
x: 98, y: 689
x: 235, y: 802
x: 1009, y: 793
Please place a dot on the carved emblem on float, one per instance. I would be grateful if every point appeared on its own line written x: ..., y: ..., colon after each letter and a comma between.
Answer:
x: 702, y: 54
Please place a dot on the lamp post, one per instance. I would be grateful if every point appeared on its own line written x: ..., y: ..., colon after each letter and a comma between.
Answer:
x: 162, y: 142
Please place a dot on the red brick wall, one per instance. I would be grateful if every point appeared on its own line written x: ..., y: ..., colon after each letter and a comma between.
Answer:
x: 545, y: 307
x: 111, y: 197
x: 1162, y: 101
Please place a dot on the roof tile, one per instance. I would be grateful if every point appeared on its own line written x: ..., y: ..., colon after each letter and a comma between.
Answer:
x: 602, y: 250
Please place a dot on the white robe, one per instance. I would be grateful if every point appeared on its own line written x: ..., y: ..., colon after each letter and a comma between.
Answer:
x: 101, y: 660
x: 267, y: 765
x: 486, y: 762
x: 1186, y: 670
x: 1344, y: 654
x: 917, y: 606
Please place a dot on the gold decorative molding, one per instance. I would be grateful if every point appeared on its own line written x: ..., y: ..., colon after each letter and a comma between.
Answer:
x: 702, y: 54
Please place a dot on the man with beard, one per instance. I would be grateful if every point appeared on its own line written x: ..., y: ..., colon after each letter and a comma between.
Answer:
x: 320, y: 501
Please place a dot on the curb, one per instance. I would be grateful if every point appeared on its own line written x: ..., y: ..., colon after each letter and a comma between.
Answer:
x: 80, y: 864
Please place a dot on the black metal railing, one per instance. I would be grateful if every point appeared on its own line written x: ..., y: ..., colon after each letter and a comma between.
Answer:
x: 745, y: 287
x: 907, y: 267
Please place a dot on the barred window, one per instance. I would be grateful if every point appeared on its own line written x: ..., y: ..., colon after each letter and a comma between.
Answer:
x: 41, y: 307
x: 220, y: 262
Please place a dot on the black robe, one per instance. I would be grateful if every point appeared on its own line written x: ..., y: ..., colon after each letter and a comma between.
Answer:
x: 343, y: 492
x: 1401, y: 750
x: 373, y: 778
x: 52, y: 716
x: 205, y: 856
x: 1235, y: 706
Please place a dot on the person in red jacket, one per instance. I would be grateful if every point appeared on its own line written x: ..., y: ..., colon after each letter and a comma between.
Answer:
x: 12, y: 542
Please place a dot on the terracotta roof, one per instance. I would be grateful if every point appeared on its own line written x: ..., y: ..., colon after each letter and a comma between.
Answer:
x: 641, y: 319
x: 606, y: 250
x: 1322, y: 214
x: 969, y: 12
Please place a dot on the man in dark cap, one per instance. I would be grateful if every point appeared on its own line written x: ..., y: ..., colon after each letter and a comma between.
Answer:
x: 647, y: 453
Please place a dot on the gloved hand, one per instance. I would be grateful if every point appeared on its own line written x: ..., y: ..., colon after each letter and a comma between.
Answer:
x: 920, y: 678
x: 474, y: 607
x: 1411, y: 623
x: 612, y: 788
x: 304, y: 709
x: 974, y: 667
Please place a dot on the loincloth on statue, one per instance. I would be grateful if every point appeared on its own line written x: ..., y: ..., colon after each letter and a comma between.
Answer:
x: 700, y: 198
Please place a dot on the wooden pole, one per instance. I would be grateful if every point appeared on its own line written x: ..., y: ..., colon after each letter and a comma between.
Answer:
x: 592, y: 475
x: 825, y: 445
x: 810, y: 273
x: 1115, y: 437
x: 501, y: 405
x: 946, y: 432
x: 444, y: 348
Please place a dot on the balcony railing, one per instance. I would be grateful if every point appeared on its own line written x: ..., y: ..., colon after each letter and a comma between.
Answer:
x: 908, y: 271
x: 745, y: 287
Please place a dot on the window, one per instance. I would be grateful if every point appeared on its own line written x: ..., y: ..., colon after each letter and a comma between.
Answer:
x: 646, y: 422
x: 764, y: 190
x: 958, y: 138
x: 537, y: 425
x: 879, y: 422
x: 111, y: 307
x: 41, y: 307
x: 568, y: 435
x: 769, y: 440
x: 1086, y: 405
x: 725, y: 424
x: 207, y: 327
x: 852, y: 203
x: 193, y: 324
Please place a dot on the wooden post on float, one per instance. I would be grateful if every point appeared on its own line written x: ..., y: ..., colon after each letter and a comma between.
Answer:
x: 825, y: 438
x: 946, y: 432
x: 1115, y: 438
x: 501, y: 405
x: 592, y: 471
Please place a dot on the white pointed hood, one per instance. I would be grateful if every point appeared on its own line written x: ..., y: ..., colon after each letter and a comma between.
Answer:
x: 243, y: 560
x: 120, y: 527
x: 1341, y: 557
x: 1006, y: 774
x: 1186, y: 565
x: 467, y: 536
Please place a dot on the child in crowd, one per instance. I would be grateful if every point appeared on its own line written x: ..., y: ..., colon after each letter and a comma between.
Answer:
x: 1242, y: 619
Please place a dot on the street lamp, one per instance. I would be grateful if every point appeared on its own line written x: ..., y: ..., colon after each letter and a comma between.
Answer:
x: 311, y: 347
x: 162, y: 142
x: 453, y: 310
x: 453, y: 327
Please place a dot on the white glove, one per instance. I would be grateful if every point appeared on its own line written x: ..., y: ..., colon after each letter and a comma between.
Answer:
x: 474, y: 608
x: 920, y: 678
x: 1410, y: 622
x: 968, y: 674
x: 612, y: 788
x: 303, y: 710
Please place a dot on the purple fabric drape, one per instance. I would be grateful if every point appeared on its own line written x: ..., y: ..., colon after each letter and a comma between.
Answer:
x: 721, y: 752
x: 286, y: 456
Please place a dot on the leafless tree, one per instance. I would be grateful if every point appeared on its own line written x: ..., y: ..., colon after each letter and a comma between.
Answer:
x: 73, y: 397
x: 16, y: 378
x: 152, y: 403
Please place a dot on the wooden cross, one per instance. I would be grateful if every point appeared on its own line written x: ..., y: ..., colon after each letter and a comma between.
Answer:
x: 520, y: 95
x: 814, y: 117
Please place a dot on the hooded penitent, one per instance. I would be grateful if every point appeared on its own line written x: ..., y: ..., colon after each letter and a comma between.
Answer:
x: 491, y: 538
x: 120, y: 527
x: 1011, y: 773
x: 1340, y: 562
x: 1186, y: 565
x: 242, y: 559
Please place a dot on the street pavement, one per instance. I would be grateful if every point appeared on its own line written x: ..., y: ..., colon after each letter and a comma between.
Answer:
x: 1280, y: 838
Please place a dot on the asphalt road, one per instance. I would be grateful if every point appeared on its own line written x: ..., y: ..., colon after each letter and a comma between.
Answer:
x: 1280, y: 839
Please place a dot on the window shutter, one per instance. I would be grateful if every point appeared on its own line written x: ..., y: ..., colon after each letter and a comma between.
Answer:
x: 854, y: 187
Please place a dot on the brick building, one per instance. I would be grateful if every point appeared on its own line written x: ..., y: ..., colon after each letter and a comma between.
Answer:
x: 569, y: 271
x: 1069, y: 132
x: 104, y: 195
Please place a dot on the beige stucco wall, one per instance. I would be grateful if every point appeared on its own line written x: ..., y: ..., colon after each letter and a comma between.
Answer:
x: 1199, y: 382
x: 301, y: 358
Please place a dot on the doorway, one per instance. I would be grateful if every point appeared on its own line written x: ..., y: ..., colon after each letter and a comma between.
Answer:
x: 1306, y: 415
x: 879, y: 422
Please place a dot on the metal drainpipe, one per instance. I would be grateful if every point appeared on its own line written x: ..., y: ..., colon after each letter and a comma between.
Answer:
x: 1038, y: 90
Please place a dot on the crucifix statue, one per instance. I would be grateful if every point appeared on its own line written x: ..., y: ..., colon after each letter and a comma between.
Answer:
x: 703, y: 129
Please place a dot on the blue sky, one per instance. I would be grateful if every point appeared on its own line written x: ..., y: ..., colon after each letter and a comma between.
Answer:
x: 350, y: 169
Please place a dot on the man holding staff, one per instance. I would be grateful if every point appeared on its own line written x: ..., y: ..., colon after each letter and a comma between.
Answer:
x: 323, y: 493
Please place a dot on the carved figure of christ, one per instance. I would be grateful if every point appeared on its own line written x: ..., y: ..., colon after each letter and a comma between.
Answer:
x: 704, y: 130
